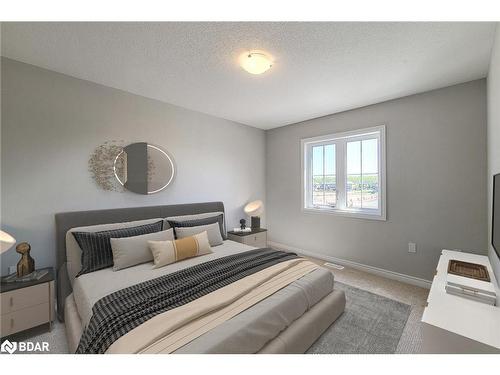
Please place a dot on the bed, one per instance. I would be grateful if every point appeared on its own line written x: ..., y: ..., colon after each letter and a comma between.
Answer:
x: 287, y: 320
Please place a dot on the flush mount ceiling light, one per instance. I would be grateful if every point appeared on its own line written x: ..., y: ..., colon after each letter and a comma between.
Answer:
x: 255, y: 62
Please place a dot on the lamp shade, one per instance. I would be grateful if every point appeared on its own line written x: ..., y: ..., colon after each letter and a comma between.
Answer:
x: 255, y: 62
x: 254, y: 208
x: 6, y: 241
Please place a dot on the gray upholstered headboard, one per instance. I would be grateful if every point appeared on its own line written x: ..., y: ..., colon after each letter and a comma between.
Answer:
x: 67, y: 220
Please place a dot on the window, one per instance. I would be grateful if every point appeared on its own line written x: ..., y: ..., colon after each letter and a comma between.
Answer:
x: 344, y: 173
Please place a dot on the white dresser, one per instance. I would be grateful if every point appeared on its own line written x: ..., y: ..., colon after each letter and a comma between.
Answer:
x: 453, y: 324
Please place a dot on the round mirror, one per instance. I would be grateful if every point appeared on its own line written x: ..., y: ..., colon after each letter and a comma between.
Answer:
x: 143, y: 168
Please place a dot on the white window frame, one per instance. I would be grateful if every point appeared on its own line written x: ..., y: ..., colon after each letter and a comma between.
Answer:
x: 340, y: 141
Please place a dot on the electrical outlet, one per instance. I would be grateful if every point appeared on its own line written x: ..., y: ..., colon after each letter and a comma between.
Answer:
x: 12, y: 269
x: 412, y: 247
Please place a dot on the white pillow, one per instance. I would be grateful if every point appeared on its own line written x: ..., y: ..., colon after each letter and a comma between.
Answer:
x: 213, y: 232
x: 130, y: 251
x: 167, y: 252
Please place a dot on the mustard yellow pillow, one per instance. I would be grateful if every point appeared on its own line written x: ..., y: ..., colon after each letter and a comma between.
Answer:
x: 167, y: 252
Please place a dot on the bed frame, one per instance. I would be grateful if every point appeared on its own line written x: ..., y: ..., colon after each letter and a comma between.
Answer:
x: 297, y: 338
x: 67, y: 220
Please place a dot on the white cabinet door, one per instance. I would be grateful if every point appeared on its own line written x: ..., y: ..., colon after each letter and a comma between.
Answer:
x: 256, y: 239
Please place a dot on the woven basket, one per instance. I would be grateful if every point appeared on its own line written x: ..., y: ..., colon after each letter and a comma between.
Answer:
x: 470, y: 270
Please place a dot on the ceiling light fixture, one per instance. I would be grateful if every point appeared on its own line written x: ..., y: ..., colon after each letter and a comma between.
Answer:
x: 255, y: 62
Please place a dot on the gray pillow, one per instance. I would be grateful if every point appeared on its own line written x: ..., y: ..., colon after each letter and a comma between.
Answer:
x: 131, y: 251
x: 74, y: 251
x: 96, y: 246
x: 179, y: 222
x: 213, y: 232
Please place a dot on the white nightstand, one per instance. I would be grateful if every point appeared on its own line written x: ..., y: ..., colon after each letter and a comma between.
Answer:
x: 256, y: 238
x: 27, y: 304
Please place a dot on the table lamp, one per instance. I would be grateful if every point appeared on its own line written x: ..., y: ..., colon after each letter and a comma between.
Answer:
x: 254, y: 210
x: 6, y: 241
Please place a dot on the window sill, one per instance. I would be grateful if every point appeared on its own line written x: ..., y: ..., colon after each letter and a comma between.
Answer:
x: 346, y: 213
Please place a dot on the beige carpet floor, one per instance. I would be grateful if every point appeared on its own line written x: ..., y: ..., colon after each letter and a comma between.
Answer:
x: 416, y: 297
x: 410, y: 341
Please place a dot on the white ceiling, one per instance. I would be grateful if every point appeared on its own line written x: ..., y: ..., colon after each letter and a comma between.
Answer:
x: 319, y: 69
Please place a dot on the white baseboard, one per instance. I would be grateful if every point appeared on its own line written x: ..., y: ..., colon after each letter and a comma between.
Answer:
x: 362, y: 267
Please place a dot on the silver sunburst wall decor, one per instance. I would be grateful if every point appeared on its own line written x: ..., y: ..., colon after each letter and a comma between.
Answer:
x: 103, y: 163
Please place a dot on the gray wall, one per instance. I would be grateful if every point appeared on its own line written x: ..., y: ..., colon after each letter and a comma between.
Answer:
x: 50, y: 125
x: 493, y: 138
x: 436, y: 146
x: 436, y: 182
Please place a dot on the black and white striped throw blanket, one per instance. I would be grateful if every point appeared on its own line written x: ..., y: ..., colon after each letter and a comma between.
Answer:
x: 120, y: 312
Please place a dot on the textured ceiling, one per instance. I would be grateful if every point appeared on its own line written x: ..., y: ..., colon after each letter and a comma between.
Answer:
x: 319, y: 68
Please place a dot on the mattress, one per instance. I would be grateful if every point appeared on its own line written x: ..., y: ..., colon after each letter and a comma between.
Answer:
x: 245, y: 333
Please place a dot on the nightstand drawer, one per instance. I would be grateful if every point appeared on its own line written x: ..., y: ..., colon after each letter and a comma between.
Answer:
x: 25, y: 297
x: 256, y: 239
x: 26, y: 318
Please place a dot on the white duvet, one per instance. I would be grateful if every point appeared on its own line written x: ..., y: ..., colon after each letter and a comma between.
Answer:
x: 91, y: 287
x: 248, y: 332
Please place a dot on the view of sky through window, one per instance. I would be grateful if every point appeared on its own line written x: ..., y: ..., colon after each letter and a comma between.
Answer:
x: 362, y: 183
x: 362, y: 174
x: 324, y: 175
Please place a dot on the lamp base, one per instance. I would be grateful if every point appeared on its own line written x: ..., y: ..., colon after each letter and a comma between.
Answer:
x: 255, y: 222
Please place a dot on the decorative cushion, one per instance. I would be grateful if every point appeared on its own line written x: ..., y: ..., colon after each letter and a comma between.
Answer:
x: 178, y: 223
x: 96, y: 246
x: 74, y: 251
x: 213, y: 233
x: 130, y: 251
x: 167, y: 252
